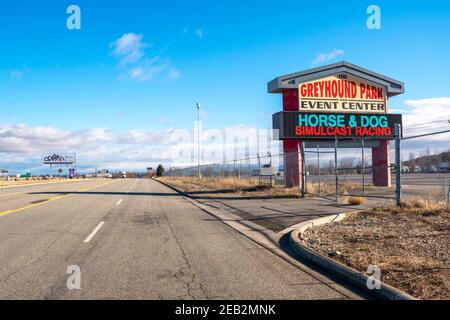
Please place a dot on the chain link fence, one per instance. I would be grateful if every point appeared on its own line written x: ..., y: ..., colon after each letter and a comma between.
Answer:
x: 342, y: 170
x: 264, y: 170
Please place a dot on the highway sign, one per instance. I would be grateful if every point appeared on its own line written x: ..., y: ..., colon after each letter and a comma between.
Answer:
x: 59, y: 158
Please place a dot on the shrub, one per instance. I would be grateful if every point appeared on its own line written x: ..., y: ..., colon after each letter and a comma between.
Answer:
x: 354, y: 201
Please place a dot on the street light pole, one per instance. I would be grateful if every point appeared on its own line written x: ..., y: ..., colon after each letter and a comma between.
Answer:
x: 198, y: 139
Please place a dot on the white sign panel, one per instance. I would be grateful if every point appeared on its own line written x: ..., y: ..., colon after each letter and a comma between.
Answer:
x: 59, y: 158
x: 342, y: 93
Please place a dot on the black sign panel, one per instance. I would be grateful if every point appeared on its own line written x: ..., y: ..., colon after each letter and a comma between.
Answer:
x: 319, y: 125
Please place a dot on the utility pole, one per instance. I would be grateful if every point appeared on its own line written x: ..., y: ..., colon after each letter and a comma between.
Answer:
x: 198, y: 139
x: 318, y: 165
x: 363, y: 167
x: 336, y: 167
x: 398, y: 167
x: 302, y: 151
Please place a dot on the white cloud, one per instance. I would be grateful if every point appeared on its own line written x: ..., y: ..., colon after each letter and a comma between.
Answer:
x: 174, y: 73
x: 129, y: 48
x: 18, y: 73
x: 425, y: 116
x: 15, y: 74
x: 145, y: 73
x: 21, y: 146
x: 326, y: 57
x: 426, y: 110
x: 199, y: 33
x: 135, y: 64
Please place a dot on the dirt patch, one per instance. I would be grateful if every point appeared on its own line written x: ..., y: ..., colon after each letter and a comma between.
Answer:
x: 326, y: 188
x: 245, y: 187
x: 409, y: 244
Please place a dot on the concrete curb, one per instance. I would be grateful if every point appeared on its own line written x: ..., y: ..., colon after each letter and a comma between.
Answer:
x: 187, y: 195
x: 356, y: 278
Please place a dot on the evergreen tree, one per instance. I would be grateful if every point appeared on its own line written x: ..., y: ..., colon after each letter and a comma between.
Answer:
x: 159, y: 170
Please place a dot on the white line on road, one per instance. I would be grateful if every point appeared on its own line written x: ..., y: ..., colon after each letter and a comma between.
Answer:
x: 119, y: 202
x: 94, y: 232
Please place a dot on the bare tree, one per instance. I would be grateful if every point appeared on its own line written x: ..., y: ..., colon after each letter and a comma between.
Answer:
x: 346, y: 165
x: 427, y: 159
x: 312, y: 169
x: 412, y: 162
x: 330, y: 167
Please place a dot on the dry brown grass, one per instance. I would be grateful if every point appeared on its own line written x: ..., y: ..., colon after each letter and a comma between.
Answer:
x: 354, y: 201
x: 235, y: 187
x: 330, y: 188
x: 205, y: 184
x: 410, y: 244
x: 419, y: 203
x: 243, y: 186
x: 23, y: 181
x: 324, y: 188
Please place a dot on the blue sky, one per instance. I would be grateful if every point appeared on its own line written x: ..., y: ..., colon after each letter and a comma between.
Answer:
x: 221, y: 53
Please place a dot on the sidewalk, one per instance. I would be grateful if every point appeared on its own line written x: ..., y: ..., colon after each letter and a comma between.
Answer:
x: 274, y: 213
x: 279, y: 214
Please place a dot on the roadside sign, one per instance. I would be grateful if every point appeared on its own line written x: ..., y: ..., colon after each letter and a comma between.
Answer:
x: 320, y: 125
x: 342, y: 93
x: 268, y: 170
x: 59, y: 158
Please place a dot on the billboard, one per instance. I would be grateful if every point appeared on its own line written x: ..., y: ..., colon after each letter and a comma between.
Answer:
x: 320, y: 125
x: 59, y: 158
x: 342, y: 93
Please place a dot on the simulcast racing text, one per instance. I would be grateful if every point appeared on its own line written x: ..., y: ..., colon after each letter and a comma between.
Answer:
x: 330, y: 125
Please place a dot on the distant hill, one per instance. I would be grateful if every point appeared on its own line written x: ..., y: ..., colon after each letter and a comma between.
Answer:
x: 427, y: 161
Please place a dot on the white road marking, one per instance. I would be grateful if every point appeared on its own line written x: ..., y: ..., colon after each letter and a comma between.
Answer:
x: 94, y: 232
x: 119, y: 202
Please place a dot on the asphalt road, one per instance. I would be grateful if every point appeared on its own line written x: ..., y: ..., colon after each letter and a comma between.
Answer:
x: 414, y: 185
x: 136, y: 239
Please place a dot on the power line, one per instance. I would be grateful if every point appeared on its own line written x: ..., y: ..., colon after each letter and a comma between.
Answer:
x: 430, y: 122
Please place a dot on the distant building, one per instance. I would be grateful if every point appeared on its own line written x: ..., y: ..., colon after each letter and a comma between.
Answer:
x: 3, y: 173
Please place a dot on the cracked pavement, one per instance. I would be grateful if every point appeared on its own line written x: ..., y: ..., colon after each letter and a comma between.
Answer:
x: 153, y: 244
